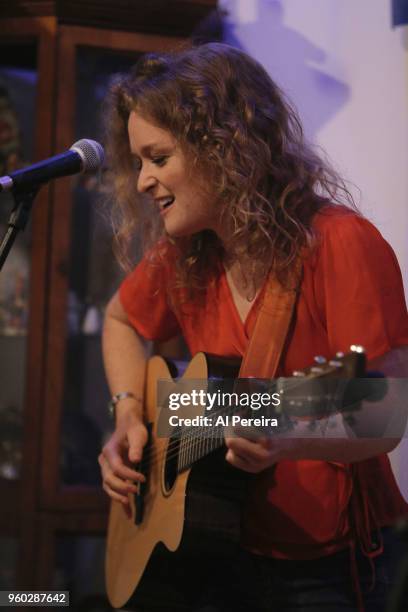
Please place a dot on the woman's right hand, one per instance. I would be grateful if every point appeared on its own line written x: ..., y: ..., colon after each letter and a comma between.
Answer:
x: 123, y: 449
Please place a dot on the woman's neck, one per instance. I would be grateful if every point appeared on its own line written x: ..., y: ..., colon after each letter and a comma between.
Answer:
x: 244, y: 278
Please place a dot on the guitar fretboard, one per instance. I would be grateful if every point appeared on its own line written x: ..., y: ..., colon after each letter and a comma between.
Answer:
x: 198, y: 442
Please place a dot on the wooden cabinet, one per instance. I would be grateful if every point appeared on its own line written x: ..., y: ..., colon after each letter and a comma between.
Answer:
x: 53, y: 512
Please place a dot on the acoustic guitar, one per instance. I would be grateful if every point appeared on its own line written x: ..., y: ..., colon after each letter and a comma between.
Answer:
x: 179, y: 494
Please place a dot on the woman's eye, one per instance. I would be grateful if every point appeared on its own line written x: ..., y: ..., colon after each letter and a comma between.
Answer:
x: 160, y: 161
x: 137, y: 164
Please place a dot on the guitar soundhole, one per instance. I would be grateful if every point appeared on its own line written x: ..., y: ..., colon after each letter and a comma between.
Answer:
x: 171, y: 463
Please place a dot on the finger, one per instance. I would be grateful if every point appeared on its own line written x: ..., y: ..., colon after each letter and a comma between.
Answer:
x: 123, y: 487
x: 242, y: 463
x: 123, y: 499
x: 251, y: 451
x: 115, y: 463
x: 137, y: 438
x: 127, y: 510
x: 119, y: 485
x: 237, y: 442
x: 112, y: 462
x: 239, y: 431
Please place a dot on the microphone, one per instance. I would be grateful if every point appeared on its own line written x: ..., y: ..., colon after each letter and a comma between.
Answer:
x: 84, y: 156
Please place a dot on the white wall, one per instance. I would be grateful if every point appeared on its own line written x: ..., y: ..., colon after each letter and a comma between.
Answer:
x: 346, y: 70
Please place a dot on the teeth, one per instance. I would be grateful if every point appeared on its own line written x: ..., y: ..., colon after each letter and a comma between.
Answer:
x: 166, y: 202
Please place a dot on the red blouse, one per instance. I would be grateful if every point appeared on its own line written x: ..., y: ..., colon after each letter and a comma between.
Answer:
x: 351, y: 293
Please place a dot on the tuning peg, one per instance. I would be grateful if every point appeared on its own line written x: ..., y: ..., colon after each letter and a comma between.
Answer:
x: 320, y: 359
x: 340, y: 355
x: 357, y: 348
x: 298, y: 373
x: 335, y: 364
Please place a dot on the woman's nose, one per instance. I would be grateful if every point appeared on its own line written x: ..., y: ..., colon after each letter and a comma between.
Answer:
x: 145, y: 181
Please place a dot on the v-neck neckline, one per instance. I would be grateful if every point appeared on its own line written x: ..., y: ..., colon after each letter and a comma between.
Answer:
x: 243, y: 323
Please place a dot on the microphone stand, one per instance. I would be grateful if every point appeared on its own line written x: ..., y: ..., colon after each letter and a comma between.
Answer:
x: 17, y: 221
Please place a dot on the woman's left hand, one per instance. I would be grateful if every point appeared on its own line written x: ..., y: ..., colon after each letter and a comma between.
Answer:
x: 257, y: 455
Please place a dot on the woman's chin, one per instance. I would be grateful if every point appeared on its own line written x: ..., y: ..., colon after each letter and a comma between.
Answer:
x: 174, y: 230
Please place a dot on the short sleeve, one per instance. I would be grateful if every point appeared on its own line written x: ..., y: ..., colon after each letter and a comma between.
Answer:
x: 144, y: 295
x: 359, y: 287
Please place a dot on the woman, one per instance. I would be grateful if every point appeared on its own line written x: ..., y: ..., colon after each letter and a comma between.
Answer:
x: 208, y: 157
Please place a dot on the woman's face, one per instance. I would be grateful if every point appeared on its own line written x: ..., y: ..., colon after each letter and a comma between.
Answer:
x: 164, y: 173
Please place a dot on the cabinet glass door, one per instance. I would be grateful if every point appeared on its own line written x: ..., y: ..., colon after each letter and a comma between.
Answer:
x: 93, y: 278
x: 18, y: 88
x: 18, y: 80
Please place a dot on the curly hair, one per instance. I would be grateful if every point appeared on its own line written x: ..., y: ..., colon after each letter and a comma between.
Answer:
x: 242, y: 134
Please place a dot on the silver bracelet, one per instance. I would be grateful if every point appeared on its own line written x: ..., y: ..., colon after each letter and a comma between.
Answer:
x: 115, y: 399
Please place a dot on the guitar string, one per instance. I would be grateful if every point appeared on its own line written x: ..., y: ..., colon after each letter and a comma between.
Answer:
x: 152, y: 455
x: 190, y: 434
x: 186, y: 430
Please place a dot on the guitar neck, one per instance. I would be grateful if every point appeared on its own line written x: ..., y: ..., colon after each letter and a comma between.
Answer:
x: 197, y: 442
x: 206, y: 435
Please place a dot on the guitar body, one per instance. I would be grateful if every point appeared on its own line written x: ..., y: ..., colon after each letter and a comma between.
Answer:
x: 202, y: 504
x: 130, y: 545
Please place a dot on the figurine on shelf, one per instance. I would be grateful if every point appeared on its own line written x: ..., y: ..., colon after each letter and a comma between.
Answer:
x: 10, y: 443
x: 92, y: 323
x: 10, y: 143
x: 15, y: 307
x: 14, y: 280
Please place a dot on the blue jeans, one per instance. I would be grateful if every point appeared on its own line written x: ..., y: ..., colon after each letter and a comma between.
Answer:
x: 228, y: 579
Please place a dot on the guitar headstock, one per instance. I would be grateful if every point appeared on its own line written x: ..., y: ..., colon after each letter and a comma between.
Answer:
x: 322, y: 388
x: 345, y: 365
